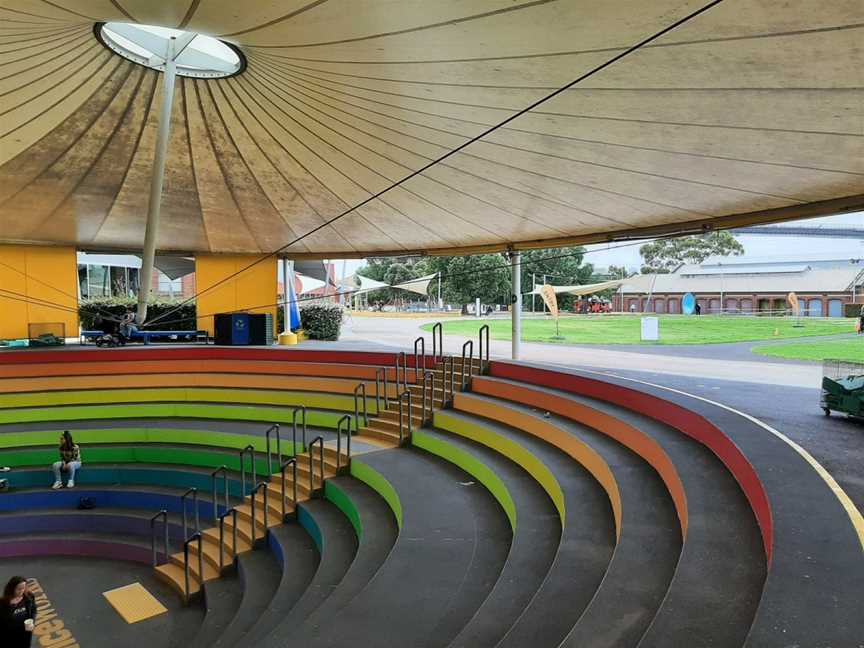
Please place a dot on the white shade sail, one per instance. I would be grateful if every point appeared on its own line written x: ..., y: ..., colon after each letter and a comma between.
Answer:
x: 585, y: 289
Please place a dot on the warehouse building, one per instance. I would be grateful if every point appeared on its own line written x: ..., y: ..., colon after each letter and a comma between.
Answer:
x: 823, y: 286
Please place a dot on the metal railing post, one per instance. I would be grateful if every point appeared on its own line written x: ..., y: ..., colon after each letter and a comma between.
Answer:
x: 232, y: 512
x: 470, y: 345
x: 164, y: 515
x: 293, y: 462
x: 346, y: 420
x: 480, y: 334
x: 437, y: 343
x: 192, y: 538
x: 273, y: 427
x: 224, y: 471
x: 255, y: 491
x: 194, y: 492
x: 421, y: 341
x: 302, y: 410
x: 251, y: 450
x: 402, y: 436
x: 361, y: 387
x: 429, y: 382
x: 320, y: 441
x: 404, y: 361
x: 380, y: 373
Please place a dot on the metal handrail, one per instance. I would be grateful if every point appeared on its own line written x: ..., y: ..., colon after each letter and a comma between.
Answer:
x: 251, y: 450
x: 438, y: 343
x: 232, y: 512
x: 379, y: 373
x: 291, y: 461
x: 224, y: 471
x: 470, y: 345
x: 401, y: 356
x: 255, y: 490
x: 402, y: 397
x: 302, y: 410
x: 164, y: 515
x: 194, y: 492
x: 193, y: 537
x: 417, y: 357
x: 483, y: 329
x: 361, y: 387
x: 339, y: 425
x: 319, y: 440
x: 426, y: 384
x: 273, y: 427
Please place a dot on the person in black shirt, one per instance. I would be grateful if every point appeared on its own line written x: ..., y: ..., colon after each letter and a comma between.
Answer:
x: 17, y: 614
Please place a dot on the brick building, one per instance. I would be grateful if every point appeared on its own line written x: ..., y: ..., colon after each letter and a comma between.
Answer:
x: 823, y: 286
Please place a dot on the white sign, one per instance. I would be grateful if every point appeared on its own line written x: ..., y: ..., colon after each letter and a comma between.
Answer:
x: 650, y: 329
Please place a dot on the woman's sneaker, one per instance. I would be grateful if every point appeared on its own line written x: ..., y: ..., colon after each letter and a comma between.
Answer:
x: 57, y: 484
x: 70, y: 484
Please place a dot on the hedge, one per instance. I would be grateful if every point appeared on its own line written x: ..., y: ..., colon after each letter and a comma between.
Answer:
x: 90, y: 312
x: 321, y: 321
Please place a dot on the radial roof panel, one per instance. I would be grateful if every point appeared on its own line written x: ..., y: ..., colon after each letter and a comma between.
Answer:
x: 751, y: 112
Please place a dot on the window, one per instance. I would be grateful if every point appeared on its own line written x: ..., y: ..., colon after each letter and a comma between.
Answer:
x: 170, y: 286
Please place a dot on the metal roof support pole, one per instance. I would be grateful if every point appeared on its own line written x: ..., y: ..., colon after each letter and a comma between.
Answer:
x: 158, y: 175
x: 516, y: 301
x: 287, y: 275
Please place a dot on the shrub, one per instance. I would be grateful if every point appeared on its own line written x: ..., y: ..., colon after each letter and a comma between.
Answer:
x: 852, y: 310
x: 90, y: 312
x: 321, y: 321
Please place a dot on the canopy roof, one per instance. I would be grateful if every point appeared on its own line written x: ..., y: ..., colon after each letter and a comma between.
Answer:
x: 751, y: 112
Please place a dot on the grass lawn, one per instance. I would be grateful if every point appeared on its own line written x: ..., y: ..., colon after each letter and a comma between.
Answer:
x: 851, y: 350
x: 680, y: 329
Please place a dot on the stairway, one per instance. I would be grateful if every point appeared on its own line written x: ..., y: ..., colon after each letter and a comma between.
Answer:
x: 252, y: 526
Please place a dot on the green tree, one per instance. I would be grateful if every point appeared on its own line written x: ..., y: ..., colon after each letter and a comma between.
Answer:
x: 392, y: 270
x: 465, y: 278
x: 562, y: 267
x: 618, y: 272
x: 665, y: 255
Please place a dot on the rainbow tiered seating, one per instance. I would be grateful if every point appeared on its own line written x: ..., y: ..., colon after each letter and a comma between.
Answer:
x: 520, y: 505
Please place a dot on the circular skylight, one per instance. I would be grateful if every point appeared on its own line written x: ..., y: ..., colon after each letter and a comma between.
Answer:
x: 196, y: 55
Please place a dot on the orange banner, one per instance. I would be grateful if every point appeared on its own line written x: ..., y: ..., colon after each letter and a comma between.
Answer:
x: 548, y: 294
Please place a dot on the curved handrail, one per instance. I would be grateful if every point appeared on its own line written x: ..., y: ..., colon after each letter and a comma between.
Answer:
x: 361, y: 387
x: 273, y: 427
x: 470, y: 345
x: 251, y: 451
x: 232, y: 512
x: 438, y: 343
x: 289, y: 462
x: 255, y: 490
x: 195, y: 536
x: 426, y: 385
x: 320, y: 441
x: 164, y: 515
x: 417, y: 357
x: 480, y: 334
x: 402, y: 397
x: 194, y: 492
x: 224, y: 470
x: 380, y: 373
x: 346, y: 419
x: 302, y: 410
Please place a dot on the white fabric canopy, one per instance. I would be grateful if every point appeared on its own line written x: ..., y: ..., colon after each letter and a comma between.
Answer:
x: 419, y: 285
x: 585, y: 289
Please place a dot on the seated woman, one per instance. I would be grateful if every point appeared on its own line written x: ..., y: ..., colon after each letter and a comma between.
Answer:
x: 70, y: 460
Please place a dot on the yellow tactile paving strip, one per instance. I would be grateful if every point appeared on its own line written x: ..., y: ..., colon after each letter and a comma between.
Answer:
x: 134, y: 603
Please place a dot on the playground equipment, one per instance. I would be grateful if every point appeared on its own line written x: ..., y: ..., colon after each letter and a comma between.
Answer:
x: 842, y: 388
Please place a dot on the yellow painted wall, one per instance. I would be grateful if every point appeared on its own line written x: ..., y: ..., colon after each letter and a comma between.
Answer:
x: 49, y: 274
x: 254, y: 287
